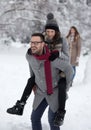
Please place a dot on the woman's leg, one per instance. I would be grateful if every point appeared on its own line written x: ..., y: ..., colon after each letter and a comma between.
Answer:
x: 59, y: 118
x: 74, y: 69
x: 28, y: 89
x: 19, y: 106
x: 62, y: 94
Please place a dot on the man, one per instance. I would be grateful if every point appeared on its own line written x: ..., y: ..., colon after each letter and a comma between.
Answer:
x: 46, y: 79
x: 54, y: 42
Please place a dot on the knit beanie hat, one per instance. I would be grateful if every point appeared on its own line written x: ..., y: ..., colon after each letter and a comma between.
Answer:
x: 51, y: 22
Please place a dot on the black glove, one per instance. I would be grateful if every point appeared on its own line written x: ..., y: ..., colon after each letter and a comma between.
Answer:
x: 54, y: 55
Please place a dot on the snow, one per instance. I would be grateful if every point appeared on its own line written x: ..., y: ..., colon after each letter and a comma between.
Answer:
x: 14, y: 73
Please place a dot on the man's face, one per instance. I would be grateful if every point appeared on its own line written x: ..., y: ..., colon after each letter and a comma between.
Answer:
x: 36, y: 45
x: 50, y: 33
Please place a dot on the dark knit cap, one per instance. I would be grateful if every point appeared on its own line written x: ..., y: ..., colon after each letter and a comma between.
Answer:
x: 51, y: 23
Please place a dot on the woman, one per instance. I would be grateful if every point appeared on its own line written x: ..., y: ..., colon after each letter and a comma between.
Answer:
x: 56, y: 42
x: 74, y: 42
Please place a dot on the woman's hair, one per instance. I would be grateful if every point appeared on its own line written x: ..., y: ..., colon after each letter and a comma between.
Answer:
x: 77, y: 35
x: 57, y: 36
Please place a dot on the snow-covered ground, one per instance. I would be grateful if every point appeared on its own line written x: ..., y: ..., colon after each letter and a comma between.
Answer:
x: 14, y: 73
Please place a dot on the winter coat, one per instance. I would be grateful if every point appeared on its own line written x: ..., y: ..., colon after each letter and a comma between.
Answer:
x: 37, y: 68
x: 74, y: 50
x: 62, y: 46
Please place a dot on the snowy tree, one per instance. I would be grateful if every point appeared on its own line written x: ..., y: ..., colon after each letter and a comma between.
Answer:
x: 88, y: 2
x: 20, y: 18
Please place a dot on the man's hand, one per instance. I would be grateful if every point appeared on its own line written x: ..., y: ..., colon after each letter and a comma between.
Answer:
x: 54, y: 55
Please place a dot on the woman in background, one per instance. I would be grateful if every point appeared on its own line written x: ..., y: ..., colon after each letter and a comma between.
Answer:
x: 74, y: 42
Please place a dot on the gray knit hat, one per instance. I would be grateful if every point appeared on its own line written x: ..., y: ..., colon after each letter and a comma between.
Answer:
x: 51, y: 23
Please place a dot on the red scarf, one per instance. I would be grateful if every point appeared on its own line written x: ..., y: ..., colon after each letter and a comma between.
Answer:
x: 47, y: 67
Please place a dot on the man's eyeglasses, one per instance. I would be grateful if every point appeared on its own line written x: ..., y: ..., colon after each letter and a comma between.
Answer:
x: 35, y: 42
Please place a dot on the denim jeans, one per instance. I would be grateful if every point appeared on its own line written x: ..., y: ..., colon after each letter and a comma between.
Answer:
x: 74, y: 69
x: 37, y: 115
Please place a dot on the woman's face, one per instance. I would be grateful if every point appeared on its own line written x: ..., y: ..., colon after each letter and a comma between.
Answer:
x: 50, y: 33
x: 72, y: 31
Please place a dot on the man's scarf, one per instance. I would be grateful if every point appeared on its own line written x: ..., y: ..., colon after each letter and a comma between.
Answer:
x: 47, y: 67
